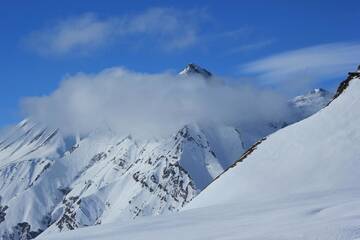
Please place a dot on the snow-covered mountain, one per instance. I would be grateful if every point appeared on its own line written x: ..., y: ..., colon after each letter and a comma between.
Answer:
x: 193, y: 69
x: 47, y: 184
x: 51, y: 183
x: 312, y: 102
x: 298, y: 183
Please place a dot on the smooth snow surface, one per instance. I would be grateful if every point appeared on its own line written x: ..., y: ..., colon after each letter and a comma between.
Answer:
x: 313, y: 216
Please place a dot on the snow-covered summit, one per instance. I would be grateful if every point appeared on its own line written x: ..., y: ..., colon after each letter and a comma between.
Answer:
x: 192, y: 68
x: 312, y: 101
x: 320, y: 91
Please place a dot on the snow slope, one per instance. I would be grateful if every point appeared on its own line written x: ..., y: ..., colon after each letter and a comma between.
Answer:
x: 313, y: 216
x: 28, y: 140
x: 319, y: 153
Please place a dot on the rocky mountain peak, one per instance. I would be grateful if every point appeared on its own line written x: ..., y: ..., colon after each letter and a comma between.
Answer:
x: 192, y: 68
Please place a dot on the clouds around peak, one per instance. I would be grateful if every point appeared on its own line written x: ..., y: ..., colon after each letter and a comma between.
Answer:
x: 307, y: 66
x: 166, y: 28
x: 150, y: 105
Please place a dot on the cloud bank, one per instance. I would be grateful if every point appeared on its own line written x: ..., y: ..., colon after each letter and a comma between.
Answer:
x: 306, y: 66
x: 166, y: 28
x: 150, y: 105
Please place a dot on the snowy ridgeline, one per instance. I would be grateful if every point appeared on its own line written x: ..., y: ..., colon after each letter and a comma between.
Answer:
x: 299, y: 183
x: 49, y: 183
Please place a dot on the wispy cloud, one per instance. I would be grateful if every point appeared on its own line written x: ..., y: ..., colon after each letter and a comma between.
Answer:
x: 252, y: 46
x: 167, y: 28
x: 241, y: 32
x: 306, y: 66
x: 73, y: 34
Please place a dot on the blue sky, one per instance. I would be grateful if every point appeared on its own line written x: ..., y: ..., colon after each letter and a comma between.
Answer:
x: 44, y: 41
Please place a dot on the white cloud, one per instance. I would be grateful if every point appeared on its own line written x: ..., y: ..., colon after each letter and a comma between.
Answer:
x: 149, y: 105
x: 175, y: 28
x: 308, y: 65
x: 73, y: 34
x: 241, y: 32
x: 167, y: 28
x: 252, y: 46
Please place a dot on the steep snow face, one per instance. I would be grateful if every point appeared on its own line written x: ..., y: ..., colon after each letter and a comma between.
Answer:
x: 320, y: 153
x: 29, y: 140
x: 193, y: 69
x: 49, y: 184
x: 313, y: 101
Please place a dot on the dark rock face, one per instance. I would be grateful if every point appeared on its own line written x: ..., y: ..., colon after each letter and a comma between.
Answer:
x: 3, y: 213
x: 22, y: 231
x: 68, y: 218
x: 344, y: 84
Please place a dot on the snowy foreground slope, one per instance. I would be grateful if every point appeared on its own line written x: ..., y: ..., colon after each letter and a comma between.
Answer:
x: 49, y: 183
x: 299, y: 183
x: 318, y: 216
